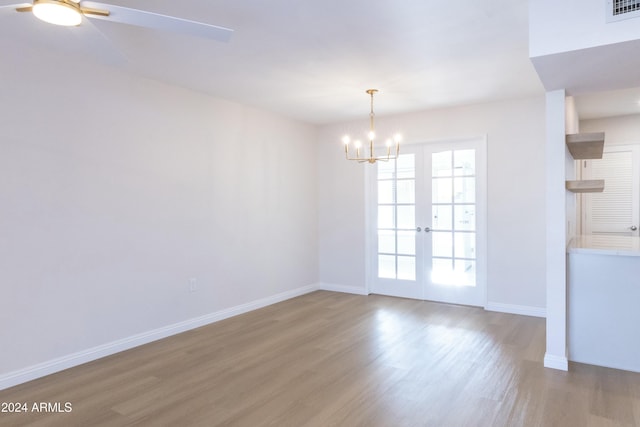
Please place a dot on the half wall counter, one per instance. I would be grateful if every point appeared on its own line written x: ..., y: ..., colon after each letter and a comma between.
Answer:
x: 604, y: 301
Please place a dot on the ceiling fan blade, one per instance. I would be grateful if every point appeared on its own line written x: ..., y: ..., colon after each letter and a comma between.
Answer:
x: 10, y: 8
x: 157, y: 21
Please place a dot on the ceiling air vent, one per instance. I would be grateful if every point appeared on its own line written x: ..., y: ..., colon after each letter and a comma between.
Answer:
x: 622, y: 9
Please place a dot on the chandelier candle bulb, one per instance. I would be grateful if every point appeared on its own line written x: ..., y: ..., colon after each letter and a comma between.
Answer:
x: 371, y: 135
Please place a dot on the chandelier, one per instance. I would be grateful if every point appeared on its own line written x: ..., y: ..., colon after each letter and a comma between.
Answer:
x: 391, y: 144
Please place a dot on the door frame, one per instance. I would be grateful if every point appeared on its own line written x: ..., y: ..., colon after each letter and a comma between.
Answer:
x: 370, y: 224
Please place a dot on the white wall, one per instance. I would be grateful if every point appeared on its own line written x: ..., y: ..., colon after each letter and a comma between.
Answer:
x: 618, y: 130
x: 516, y: 195
x: 116, y: 190
x: 562, y: 26
x: 572, y: 118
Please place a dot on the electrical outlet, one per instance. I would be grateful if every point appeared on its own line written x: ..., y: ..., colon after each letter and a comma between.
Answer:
x: 193, y: 284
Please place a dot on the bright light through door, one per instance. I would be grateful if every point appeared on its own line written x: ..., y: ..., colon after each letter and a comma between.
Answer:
x: 453, y: 222
x: 396, y: 218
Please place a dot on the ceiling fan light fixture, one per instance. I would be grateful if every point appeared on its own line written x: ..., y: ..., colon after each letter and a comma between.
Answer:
x: 58, y: 12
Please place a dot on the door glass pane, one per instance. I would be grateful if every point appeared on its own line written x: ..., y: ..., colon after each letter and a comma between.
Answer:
x: 465, y: 245
x: 386, y: 217
x: 441, y: 164
x: 464, y: 190
x: 465, y: 217
x: 442, y: 271
x: 464, y: 272
x: 407, y: 242
x: 407, y: 217
x: 386, y: 170
x: 406, y: 268
x: 464, y: 162
x: 406, y: 166
x: 385, y: 192
x: 442, y: 244
x: 406, y: 191
x: 387, y: 266
x: 442, y: 217
x: 454, y: 273
x: 386, y: 241
x: 441, y: 190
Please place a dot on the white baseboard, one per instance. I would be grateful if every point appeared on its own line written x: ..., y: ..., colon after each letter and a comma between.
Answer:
x: 633, y: 367
x: 56, y: 365
x: 556, y: 362
x: 524, y: 310
x: 342, y: 288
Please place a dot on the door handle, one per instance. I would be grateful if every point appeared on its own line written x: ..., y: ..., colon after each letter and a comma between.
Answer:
x: 427, y: 229
x: 418, y: 229
x: 633, y: 228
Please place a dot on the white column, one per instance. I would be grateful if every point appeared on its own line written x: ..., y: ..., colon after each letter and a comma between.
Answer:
x: 556, y: 217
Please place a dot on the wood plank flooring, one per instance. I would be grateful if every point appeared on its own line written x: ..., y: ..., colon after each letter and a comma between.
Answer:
x: 329, y: 359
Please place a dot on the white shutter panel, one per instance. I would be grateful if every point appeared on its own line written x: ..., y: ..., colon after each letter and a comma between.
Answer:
x: 615, y: 209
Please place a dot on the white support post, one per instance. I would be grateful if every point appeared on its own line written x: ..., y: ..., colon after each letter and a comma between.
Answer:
x: 556, y: 217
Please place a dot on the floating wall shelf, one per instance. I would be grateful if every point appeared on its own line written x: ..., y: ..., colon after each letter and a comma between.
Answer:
x: 586, y: 145
x: 586, y: 186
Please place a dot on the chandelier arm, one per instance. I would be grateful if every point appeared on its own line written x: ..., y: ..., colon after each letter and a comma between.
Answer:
x: 372, y: 159
x: 357, y: 158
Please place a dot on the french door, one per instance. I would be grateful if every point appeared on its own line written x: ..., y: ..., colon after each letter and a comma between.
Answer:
x: 427, y: 213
